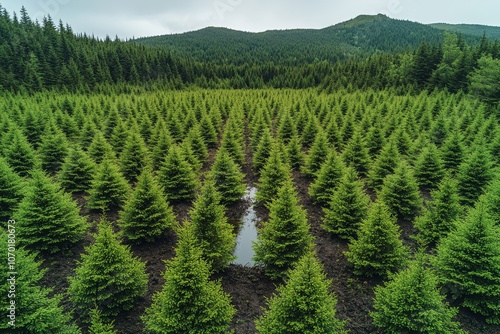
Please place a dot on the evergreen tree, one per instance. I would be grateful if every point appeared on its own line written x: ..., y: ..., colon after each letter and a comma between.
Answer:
x: 109, y: 188
x: 190, y: 157
x: 317, y: 154
x: 348, y: 206
x: 304, y: 304
x: 384, y: 165
x: 36, y: 310
x: 263, y: 151
x: 208, y: 131
x: 356, y: 154
x: 228, y: 177
x: 48, y: 219
x: 474, y: 173
x: 286, y: 129
x: 441, y: 213
x: 400, y: 192
x: 285, y: 238
x: 108, y: 277
x: 468, y: 264
x: 491, y: 200
x: 329, y: 175
x: 294, y: 152
x: 163, y: 145
x: 53, y: 149
x: 177, y: 177
x: 11, y: 190
x: 134, y: 157
x: 213, y: 232
x: 272, y: 177
x: 146, y: 214
x: 411, y: 303
x: 77, y: 171
x: 452, y: 151
x: 377, y: 251
x: 20, y: 155
x: 189, y: 301
x: 98, y: 325
x: 100, y: 149
x: 429, y: 168
x: 232, y: 142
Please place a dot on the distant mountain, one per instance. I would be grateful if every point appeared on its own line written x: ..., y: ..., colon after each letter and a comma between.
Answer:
x: 470, y: 29
x: 360, y: 37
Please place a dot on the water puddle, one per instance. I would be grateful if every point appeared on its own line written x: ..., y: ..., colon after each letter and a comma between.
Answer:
x: 247, y: 231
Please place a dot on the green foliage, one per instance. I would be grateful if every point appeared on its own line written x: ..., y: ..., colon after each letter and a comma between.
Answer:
x: 468, y: 264
x: 36, y: 310
x: 48, y: 219
x: 384, y: 165
x: 108, y: 277
x: 263, y: 150
x: 100, y: 149
x: 491, y: 200
x: 356, y: 154
x: 214, y: 234
x: 77, y: 171
x: 285, y: 238
x: 20, y: 155
x: 316, y: 155
x: 228, y: 177
x: 11, y: 190
x: 177, y: 177
x: 348, y: 207
x: 484, y: 79
x: 429, y: 167
x: 452, y: 151
x: 189, y: 301
x: 377, y: 251
x: 134, y: 157
x: 146, y: 213
x: 294, y: 152
x: 400, y: 192
x: 304, y: 304
x: 233, y: 141
x: 53, y: 149
x: 410, y: 302
x: 273, y: 176
x: 328, y: 177
x: 98, y: 325
x: 196, y: 141
x: 109, y: 188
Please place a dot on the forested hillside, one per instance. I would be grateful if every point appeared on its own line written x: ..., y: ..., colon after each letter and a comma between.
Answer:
x: 469, y: 29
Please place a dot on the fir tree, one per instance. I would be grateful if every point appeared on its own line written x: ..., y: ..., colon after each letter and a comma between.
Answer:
x: 356, y: 154
x: 48, y: 219
x: 228, y: 177
x: 163, y: 145
x: 233, y: 142
x: 384, y: 165
x: 452, y: 151
x: 294, y: 152
x: 177, y: 177
x: 213, y: 232
x: 146, y: 214
x: 328, y: 177
x: 37, y: 311
x: 441, y: 213
x: 272, y: 177
x: 77, y: 171
x: 109, y: 188
x: 263, y: 151
x: 99, y: 325
x: 189, y: 301
x: 20, y: 155
x: 208, y: 131
x: 304, y: 304
x: 491, y: 200
x: 348, y: 206
x: 197, y: 143
x: 53, y: 149
x: 108, y: 277
x: 286, y: 128
x: 377, y: 251
x: 400, y: 192
x: 316, y: 155
x: 411, y: 303
x: 100, y: 149
x: 429, y: 168
x: 11, y: 190
x: 285, y: 238
x: 468, y: 264
x: 134, y: 157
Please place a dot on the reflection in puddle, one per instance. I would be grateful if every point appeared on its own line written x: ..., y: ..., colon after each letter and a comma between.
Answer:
x: 247, y: 232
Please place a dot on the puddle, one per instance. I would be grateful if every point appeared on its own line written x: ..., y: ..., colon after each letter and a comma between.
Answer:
x: 247, y: 231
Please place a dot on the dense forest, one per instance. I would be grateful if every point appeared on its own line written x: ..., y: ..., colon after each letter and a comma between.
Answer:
x: 126, y: 170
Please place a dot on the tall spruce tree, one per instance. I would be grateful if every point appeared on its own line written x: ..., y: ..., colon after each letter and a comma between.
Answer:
x: 228, y: 177
x: 77, y: 171
x: 304, y: 304
x: 285, y: 238
x: 377, y: 251
x: 329, y: 175
x: 348, y: 206
x: 11, y: 190
x: 468, y: 264
x: 189, y: 301
x: 146, y: 214
x: 48, y: 219
x: 108, y: 277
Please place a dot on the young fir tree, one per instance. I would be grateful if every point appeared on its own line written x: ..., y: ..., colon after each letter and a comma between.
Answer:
x: 100, y: 149
x: 400, y: 192
x: 228, y: 177
x: 163, y: 144
x: 272, y: 177
x: 356, y: 154
x: 452, y: 152
x: 189, y: 301
x: 285, y: 238
x: 208, y: 131
x: 190, y: 156
x: 53, y: 149
x: 213, y: 232
x: 286, y: 129
x: 20, y: 155
x: 411, y: 303
x: 377, y: 251
x: 328, y: 178
x: 304, y: 304
x: 134, y: 157
x: 36, y: 312
x: 474, y: 174
x: 77, y: 171
x: 296, y: 157
x: 11, y: 190
x: 108, y: 277
x: 491, y: 200
x: 317, y: 154
x: 48, y: 219
x: 439, y: 217
x: 99, y: 325
x: 348, y: 207
x: 146, y: 213
x: 109, y: 188
x: 468, y: 264
x: 429, y: 170
x: 197, y: 143
x: 177, y: 177
x: 233, y: 142
x: 263, y: 150
x: 384, y: 165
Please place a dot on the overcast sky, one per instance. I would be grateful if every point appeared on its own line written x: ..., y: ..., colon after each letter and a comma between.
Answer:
x: 128, y: 18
